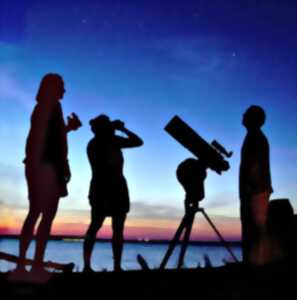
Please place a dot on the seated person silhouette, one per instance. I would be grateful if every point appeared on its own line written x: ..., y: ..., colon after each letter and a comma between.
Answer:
x: 281, y: 229
x: 108, y: 193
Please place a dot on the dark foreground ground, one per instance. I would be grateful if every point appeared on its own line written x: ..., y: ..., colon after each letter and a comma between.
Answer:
x: 229, y: 282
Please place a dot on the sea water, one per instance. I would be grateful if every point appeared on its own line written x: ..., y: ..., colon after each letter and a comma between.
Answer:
x: 65, y: 251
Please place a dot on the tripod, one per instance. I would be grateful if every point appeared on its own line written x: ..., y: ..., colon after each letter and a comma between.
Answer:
x: 186, y: 225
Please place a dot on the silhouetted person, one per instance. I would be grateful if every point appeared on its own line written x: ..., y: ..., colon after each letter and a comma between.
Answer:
x: 108, y: 190
x: 46, y: 166
x: 254, y: 187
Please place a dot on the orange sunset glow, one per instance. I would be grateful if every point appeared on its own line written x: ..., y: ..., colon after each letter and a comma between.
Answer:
x: 75, y: 223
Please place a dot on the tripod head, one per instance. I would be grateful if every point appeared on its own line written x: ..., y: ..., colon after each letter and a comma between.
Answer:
x: 191, y: 174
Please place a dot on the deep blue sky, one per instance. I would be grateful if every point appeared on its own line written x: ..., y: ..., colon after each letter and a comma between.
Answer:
x: 143, y: 62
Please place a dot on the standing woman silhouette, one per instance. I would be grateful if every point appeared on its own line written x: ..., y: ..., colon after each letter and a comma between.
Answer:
x: 108, y: 194
x: 46, y: 166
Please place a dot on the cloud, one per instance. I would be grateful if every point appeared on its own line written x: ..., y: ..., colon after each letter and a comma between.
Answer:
x: 285, y: 152
x: 199, y: 54
x: 8, y: 52
x: 12, y: 185
x: 222, y: 203
x: 144, y: 210
x: 12, y: 172
x: 160, y: 222
x: 11, y: 90
x: 11, y: 217
x: 11, y: 206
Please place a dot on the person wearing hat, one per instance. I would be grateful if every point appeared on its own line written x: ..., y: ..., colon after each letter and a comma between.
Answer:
x: 254, y: 187
x: 108, y: 194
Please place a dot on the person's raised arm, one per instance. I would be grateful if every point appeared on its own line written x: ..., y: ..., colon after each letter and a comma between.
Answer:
x: 132, y: 140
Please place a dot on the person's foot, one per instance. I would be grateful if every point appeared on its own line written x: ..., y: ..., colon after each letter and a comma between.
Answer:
x: 18, y: 274
x: 88, y: 270
x: 118, y: 269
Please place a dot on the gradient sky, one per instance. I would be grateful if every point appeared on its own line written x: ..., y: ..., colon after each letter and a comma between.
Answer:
x: 143, y: 62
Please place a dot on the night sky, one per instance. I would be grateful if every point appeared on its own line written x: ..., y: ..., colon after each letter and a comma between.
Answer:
x: 143, y: 62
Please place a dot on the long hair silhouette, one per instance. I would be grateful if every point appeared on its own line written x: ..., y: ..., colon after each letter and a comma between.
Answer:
x: 46, y: 166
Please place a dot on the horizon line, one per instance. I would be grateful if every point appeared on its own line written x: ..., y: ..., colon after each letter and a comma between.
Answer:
x: 74, y: 238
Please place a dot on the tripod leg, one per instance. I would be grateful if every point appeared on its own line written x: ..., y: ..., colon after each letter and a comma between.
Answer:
x: 173, y: 243
x: 189, y: 225
x: 219, y: 235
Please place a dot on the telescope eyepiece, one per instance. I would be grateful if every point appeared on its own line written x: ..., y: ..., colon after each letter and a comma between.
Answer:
x: 221, y: 149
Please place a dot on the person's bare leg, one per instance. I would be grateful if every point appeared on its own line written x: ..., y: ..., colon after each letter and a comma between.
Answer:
x: 90, y: 238
x: 117, y: 248
x: 26, y: 236
x: 43, y: 233
x: 118, y: 240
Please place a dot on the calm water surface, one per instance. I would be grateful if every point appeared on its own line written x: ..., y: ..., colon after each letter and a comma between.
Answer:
x: 71, y: 251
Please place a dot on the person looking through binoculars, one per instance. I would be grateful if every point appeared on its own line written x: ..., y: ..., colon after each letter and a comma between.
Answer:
x: 109, y: 196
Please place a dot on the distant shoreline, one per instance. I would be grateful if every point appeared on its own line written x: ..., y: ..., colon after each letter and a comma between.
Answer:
x: 74, y: 238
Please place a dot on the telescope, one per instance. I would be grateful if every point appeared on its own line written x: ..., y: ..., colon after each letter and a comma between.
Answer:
x: 191, y: 173
x: 212, y: 155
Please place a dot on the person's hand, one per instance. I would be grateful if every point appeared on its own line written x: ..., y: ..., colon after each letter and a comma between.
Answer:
x: 73, y: 122
x: 67, y: 173
x: 119, y: 125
